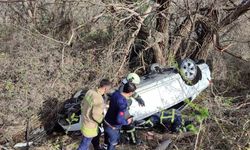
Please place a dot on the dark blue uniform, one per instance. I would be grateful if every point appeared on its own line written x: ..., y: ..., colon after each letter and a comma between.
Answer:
x: 116, y: 112
x: 171, y: 120
x: 115, y: 119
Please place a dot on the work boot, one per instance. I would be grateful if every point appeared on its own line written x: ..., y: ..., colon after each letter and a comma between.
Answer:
x: 133, y: 139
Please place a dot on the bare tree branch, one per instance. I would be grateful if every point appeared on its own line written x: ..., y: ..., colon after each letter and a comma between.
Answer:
x: 241, y: 9
x: 133, y: 37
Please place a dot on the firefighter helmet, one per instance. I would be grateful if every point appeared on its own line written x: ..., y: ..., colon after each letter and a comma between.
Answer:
x: 134, y: 78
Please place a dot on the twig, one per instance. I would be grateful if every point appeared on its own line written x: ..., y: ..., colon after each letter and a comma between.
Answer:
x: 143, y: 61
x: 27, y: 133
x: 63, y: 49
x: 71, y: 38
x: 132, y: 39
x: 224, y: 49
x: 141, y: 67
x: 15, y: 1
x: 242, y: 105
x: 176, y: 147
x: 238, y: 57
x: 93, y: 20
x: 3, y: 148
x: 28, y: 122
x: 45, y: 36
x: 196, y: 147
x: 55, y: 81
x: 219, y: 125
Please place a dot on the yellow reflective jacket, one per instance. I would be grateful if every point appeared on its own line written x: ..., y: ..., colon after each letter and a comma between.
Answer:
x: 92, y: 113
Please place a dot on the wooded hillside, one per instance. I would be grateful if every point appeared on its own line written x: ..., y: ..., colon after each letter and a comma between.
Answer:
x: 52, y: 48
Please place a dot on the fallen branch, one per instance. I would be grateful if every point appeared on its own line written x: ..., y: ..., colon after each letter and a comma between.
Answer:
x: 224, y: 49
x: 197, y: 142
x: 240, y: 9
x: 242, y: 105
x: 45, y: 36
x: 238, y: 57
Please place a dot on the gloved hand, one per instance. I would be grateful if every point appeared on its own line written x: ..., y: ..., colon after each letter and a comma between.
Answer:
x: 140, y: 101
x: 129, y: 102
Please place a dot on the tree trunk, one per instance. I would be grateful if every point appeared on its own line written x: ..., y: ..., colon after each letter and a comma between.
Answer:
x: 162, y: 25
x: 181, y: 33
x: 240, y: 9
x: 213, y: 28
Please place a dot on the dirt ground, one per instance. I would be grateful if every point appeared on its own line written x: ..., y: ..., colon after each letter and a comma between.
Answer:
x: 38, y: 72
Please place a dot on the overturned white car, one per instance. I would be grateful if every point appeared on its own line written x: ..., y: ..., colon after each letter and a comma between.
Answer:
x: 162, y: 89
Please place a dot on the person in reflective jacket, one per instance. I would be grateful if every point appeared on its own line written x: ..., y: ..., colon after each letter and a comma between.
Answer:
x: 92, y: 114
x: 170, y: 120
x: 115, y: 117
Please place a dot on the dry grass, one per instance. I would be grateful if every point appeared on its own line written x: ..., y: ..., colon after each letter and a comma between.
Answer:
x: 40, y: 68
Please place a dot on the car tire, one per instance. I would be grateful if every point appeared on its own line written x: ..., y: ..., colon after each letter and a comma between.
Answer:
x: 189, y: 71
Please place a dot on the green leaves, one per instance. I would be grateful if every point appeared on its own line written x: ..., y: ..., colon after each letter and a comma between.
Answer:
x: 192, y: 128
x: 200, y: 114
x: 71, y: 119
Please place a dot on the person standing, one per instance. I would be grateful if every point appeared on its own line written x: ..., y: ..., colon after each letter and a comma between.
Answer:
x: 92, y: 113
x: 115, y: 117
x: 130, y: 129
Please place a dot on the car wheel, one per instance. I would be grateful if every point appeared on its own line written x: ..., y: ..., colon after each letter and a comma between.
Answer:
x: 189, y: 71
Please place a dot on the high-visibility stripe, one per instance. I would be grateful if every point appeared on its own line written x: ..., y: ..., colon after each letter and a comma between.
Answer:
x: 168, y: 117
x: 99, y: 120
x: 173, y: 115
x: 132, y: 134
x: 161, y: 117
x: 89, y: 132
x: 149, y: 122
x: 89, y: 100
x: 130, y: 131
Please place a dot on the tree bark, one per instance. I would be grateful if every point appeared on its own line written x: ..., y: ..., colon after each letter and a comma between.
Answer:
x: 181, y: 33
x: 213, y: 29
x: 137, y: 27
x: 162, y: 25
x: 241, y: 9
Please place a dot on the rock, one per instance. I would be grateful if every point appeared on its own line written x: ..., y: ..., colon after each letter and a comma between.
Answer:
x: 164, y: 145
x: 21, y: 145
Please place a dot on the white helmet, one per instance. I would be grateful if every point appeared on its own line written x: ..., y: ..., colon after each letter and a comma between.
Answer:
x: 134, y: 78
